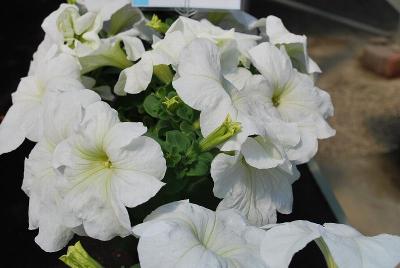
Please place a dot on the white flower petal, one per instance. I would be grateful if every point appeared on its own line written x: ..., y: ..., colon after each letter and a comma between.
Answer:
x: 13, y: 130
x: 256, y: 193
x: 137, y: 155
x: 295, y: 45
x: 53, y: 234
x: 66, y: 24
x: 133, y: 46
x: 186, y: 235
x: 199, y: 83
x: 272, y: 63
x: 122, y: 134
x: 95, y: 205
x: 225, y: 173
x: 239, y: 77
x: 63, y: 111
x: 170, y: 48
x: 105, y: 7
x: 306, y: 149
x: 281, y: 242
x: 97, y: 120
x: 135, y: 188
x: 46, y: 50
x: 349, y: 248
x: 135, y: 79
x: 263, y: 153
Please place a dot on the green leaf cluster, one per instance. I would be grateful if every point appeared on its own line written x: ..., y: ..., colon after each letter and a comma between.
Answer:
x: 175, y: 127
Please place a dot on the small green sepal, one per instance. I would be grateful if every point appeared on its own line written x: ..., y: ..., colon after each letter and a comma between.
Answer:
x: 157, y: 24
x: 227, y: 130
x: 77, y: 257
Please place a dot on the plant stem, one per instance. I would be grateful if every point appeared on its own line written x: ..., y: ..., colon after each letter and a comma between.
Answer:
x: 330, y: 262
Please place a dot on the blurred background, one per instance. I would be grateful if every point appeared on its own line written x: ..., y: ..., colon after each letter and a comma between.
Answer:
x: 354, y: 179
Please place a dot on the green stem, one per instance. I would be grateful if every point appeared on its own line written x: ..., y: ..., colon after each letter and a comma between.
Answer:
x: 330, y: 262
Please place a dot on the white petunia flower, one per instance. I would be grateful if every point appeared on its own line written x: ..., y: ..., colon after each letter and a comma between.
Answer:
x: 61, y: 115
x: 201, y: 84
x: 45, y: 51
x: 257, y: 193
x: 107, y: 166
x: 186, y: 235
x: 106, y: 8
x: 295, y: 45
x: 137, y: 78
x: 72, y: 32
x: 345, y: 245
x: 50, y: 72
x: 193, y: 29
x: 168, y: 51
x: 110, y: 52
x: 292, y: 97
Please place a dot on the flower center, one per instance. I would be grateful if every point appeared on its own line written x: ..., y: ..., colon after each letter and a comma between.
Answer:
x: 108, y: 164
x: 276, y: 100
x: 278, y: 94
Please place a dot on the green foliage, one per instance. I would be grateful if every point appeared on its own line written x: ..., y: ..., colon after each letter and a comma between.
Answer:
x: 174, y: 125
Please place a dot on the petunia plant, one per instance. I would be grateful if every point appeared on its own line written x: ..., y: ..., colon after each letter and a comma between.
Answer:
x: 177, y: 133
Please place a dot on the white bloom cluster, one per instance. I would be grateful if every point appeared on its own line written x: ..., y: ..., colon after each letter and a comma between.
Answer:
x: 87, y: 166
x: 281, y: 112
x: 258, y: 108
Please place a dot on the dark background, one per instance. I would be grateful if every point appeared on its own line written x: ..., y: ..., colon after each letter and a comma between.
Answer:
x: 21, y: 34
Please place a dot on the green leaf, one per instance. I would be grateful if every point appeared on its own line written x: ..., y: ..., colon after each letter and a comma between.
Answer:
x: 175, y: 183
x: 186, y: 127
x: 185, y: 112
x: 202, y: 166
x: 153, y: 106
x: 124, y: 18
x: 161, y: 127
x: 172, y: 155
x: 178, y: 140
